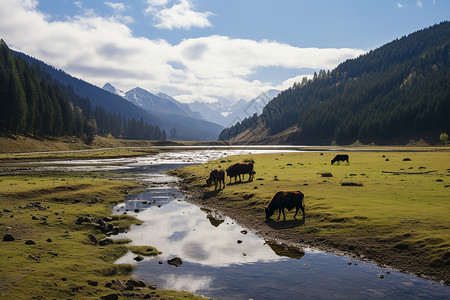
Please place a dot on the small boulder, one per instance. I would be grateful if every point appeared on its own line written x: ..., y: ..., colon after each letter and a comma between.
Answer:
x: 30, y: 242
x: 176, y: 261
x: 92, y: 282
x: 110, y: 297
x: 93, y: 239
x: 105, y: 241
x: 8, y: 238
x: 136, y: 283
x: 138, y: 258
x: 49, y: 240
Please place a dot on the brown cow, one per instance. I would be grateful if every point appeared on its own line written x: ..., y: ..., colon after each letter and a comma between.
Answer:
x: 288, y: 200
x: 239, y: 169
x: 340, y: 157
x: 216, y: 176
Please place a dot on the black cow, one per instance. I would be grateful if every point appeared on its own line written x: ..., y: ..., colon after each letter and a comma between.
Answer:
x: 340, y: 157
x: 239, y: 169
x: 216, y: 176
x: 288, y: 200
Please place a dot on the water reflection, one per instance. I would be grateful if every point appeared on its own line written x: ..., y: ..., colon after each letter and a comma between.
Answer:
x: 182, y: 229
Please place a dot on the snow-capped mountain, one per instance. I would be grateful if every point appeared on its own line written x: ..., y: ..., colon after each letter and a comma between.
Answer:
x: 110, y: 88
x: 228, y: 115
x: 183, y: 106
x: 178, y: 120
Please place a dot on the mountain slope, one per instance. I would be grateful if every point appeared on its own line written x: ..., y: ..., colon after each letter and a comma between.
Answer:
x: 399, y: 89
x: 33, y: 103
x: 111, y: 102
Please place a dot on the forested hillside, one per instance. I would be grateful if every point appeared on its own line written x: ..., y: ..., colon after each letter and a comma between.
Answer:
x: 33, y: 103
x: 400, y: 88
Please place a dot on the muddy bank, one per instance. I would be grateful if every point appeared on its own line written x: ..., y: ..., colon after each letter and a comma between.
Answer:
x: 406, y: 259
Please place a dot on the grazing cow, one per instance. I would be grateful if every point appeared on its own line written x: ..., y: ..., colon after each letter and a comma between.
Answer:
x: 239, y: 169
x: 340, y: 157
x: 216, y: 176
x: 288, y: 200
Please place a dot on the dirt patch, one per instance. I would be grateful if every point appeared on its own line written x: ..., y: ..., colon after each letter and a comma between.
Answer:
x: 407, y: 258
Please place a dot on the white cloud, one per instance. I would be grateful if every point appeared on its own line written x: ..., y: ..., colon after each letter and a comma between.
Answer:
x: 399, y: 5
x: 118, y: 7
x: 101, y: 50
x: 180, y: 15
x: 419, y: 4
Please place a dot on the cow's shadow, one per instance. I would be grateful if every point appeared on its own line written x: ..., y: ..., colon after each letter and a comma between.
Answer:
x: 212, y: 193
x: 240, y: 182
x: 284, y: 224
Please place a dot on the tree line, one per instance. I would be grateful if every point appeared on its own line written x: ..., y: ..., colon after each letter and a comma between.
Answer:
x: 33, y: 103
x: 401, y: 87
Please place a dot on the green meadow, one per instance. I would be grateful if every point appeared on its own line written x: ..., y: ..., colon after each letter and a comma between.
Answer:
x: 393, y: 207
x: 64, y: 262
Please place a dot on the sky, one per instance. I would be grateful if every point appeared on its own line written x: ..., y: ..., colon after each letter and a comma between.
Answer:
x: 207, y: 50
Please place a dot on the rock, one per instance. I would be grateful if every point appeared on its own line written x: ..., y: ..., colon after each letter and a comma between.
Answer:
x: 136, y: 210
x: 64, y: 279
x: 136, y: 283
x: 108, y: 284
x: 110, y: 297
x: 30, y: 242
x: 34, y: 218
x: 147, y: 296
x: 176, y: 261
x: 93, y: 283
x: 138, y: 258
x: 33, y: 257
x: 239, y: 241
x: 49, y: 240
x: 380, y: 276
x: 101, y: 223
x: 129, y: 288
x: 8, y: 238
x: 107, y: 219
x: 93, y: 239
x: 105, y: 241
x: 244, y: 231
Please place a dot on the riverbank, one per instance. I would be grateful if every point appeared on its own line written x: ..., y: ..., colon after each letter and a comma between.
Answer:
x: 25, y: 148
x: 54, y: 229
x: 397, y: 219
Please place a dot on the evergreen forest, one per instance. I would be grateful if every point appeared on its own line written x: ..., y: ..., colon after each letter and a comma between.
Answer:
x: 34, y: 104
x: 400, y: 88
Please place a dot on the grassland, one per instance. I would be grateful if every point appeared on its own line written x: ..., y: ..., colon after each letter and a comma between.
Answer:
x: 65, y: 258
x: 399, y: 219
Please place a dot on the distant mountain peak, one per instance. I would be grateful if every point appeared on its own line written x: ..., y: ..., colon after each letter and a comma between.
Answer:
x: 112, y: 89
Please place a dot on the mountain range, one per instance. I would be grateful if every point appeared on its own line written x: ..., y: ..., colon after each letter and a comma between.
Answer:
x: 223, y: 113
x: 393, y: 94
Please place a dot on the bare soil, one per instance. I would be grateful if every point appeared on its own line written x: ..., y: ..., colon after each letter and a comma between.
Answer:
x: 405, y: 259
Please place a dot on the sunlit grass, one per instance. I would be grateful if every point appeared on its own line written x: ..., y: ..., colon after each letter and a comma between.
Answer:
x: 63, y: 258
x: 405, y: 211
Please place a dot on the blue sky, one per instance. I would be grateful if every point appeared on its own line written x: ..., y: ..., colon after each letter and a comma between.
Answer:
x: 207, y: 49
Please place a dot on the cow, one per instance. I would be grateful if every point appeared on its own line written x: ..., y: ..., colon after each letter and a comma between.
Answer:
x: 217, y: 176
x: 285, y: 199
x: 239, y: 169
x: 340, y: 157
